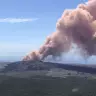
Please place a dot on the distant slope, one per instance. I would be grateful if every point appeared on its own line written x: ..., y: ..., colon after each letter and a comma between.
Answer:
x: 40, y: 65
x: 2, y: 64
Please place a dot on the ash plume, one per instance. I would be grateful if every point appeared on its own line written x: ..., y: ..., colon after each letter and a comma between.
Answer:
x: 76, y: 26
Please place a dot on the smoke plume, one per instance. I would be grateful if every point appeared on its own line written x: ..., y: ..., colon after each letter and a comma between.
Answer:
x: 76, y: 26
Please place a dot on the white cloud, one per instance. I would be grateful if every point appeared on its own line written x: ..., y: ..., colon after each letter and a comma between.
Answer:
x: 17, y: 20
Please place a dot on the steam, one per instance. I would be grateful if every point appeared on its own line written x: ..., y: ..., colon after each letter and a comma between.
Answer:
x: 73, y: 57
x: 75, y: 26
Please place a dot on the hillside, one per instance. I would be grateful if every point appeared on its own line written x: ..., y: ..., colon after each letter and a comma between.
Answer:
x: 40, y: 65
x: 37, y: 78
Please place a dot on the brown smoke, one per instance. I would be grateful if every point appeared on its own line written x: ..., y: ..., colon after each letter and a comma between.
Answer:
x: 75, y: 26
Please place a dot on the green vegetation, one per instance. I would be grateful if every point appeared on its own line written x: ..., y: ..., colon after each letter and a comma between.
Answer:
x: 47, y: 86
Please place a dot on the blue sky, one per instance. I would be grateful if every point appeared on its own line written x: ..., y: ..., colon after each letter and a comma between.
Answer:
x: 24, y: 24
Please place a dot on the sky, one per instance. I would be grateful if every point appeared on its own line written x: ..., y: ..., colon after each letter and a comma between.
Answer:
x: 25, y: 24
